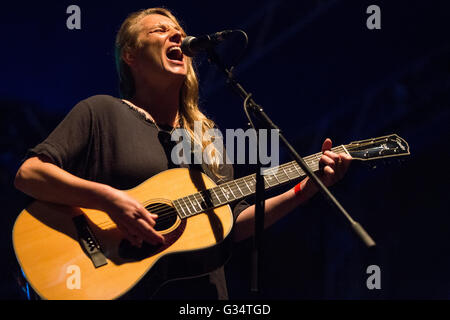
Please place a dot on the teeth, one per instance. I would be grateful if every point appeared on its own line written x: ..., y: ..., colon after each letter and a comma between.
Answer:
x: 174, y: 48
x: 175, y: 53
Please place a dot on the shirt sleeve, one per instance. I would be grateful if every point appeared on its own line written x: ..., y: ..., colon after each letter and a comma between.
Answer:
x: 67, y: 143
x: 239, y: 207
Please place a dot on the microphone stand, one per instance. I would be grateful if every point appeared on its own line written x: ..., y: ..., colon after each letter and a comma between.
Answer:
x: 259, y: 113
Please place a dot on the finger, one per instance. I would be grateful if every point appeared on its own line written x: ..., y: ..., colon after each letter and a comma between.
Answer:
x: 327, y: 161
x: 328, y: 175
x: 134, y: 231
x: 345, y: 162
x: 327, y: 144
x: 332, y: 155
x: 148, y: 233
x: 134, y: 240
x: 346, y: 158
x: 141, y: 224
x: 137, y: 241
x: 147, y: 216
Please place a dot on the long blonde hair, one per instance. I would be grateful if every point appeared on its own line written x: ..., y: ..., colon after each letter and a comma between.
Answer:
x: 127, y: 38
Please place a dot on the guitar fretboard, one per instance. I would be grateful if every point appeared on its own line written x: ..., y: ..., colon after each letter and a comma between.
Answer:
x: 246, y: 186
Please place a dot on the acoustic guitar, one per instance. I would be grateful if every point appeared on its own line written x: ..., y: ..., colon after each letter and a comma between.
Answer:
x: 78, y: 253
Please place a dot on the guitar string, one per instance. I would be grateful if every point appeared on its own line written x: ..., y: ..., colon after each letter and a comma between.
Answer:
x: 241, y: 182
x: 162, y: 208
x: 269, y: 172
x: 236, y: 185
x: 235, y: 188
x: 367, y: 143
x: 166, y: 212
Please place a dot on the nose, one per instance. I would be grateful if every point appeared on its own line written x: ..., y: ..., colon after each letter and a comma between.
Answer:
x: 176, y: 36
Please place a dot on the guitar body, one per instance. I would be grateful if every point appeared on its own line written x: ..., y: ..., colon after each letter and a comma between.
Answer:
x: 47, y: 246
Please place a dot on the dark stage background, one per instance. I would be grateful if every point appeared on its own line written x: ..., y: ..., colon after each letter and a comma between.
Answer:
x: 318, y: 72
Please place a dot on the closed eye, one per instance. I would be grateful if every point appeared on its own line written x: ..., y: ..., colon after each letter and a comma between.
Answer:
x: 164, y: 28
x: 158, y: 30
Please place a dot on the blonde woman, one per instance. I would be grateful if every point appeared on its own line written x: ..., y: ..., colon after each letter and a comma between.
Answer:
x: 107, y: 144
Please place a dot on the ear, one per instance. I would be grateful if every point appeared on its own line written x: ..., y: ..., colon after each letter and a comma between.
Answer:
x: 129, y: 57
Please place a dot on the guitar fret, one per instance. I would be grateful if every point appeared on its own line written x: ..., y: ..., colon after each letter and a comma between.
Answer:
x: 345, y: 150
x: 232, y: 193
x: 244, y: 187
x: 197, y: 203
x: 294, y: 171
x: 265, y: 179
x: 275, y: 176
x: 296, y: 167
x: 289, y: 170
x: 337, y: 149
x: 251, y: 191
x: 219, y: 188
x: 227, y: 192
x: 224, y: 193
x: 315, y: 167
x: 204, y: 202
x: 283, y: 173
x: 201, y: 203
x: 194, y: 203
x: 235, y: 182
x: 253, y: 178
x: 183, y: 207
x: 218, y: 199
x: 312, y: 163
x: 177, y: 206
x: 239, y: 188
x: 187, y: 206
x: 316, y: 164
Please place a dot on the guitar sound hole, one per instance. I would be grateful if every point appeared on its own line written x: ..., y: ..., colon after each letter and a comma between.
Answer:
x: 167, y: 215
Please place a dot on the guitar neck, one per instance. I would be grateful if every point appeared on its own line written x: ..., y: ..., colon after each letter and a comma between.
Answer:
x: 241, y: 188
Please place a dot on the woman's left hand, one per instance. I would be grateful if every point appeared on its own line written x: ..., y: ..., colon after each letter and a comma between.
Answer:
x: 333, y: 166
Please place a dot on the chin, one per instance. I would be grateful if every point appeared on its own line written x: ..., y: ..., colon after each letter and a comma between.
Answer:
x: 180, y: 72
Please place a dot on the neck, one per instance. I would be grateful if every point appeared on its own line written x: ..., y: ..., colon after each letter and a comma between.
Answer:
x: 160, y: 101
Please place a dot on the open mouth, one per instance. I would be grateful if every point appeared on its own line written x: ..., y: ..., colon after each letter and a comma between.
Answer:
x: 174, y: 53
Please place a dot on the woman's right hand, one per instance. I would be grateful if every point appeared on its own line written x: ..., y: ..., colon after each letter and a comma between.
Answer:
x: 135, y: 222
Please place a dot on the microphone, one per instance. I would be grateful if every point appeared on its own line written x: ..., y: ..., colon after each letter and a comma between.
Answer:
x: 193, y: 45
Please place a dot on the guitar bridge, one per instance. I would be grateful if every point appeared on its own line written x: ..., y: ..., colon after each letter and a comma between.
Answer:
x: 88, y: 242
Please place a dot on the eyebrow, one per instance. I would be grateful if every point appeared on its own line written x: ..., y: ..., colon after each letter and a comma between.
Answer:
x: 162, y: 24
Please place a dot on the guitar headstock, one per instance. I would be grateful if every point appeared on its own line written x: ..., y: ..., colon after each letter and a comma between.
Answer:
x: 378, y: 148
